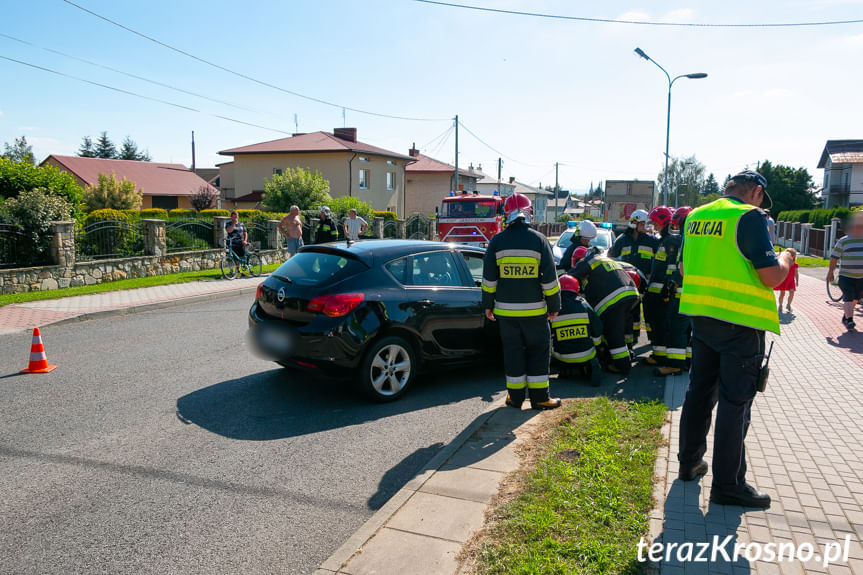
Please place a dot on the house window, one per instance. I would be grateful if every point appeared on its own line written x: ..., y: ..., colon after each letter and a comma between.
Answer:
x: 165, y: 202
x: 391, y: 163
x: 364, y: 179
x: 363, y: 159
x: 391, y: 180
x: 277, y: 171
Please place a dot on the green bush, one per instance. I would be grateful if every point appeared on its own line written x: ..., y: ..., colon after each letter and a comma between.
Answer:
x: 184, y: 240
x: 17, y: 177
x: 181, y: 213
x: 818, y: 217
x: 248, y: 214
x: 111, y: 193
x: 387, y: 216
x: 297, y: 186
x: 122, y: 239
x: 107, y: 215
x: 133, y: 214
x: 32, y: 212
x: 341, y: 206
x: 154, y: 214
x: 213, y: 213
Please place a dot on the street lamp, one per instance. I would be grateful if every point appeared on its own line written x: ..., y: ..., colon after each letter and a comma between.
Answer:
x: 671, y: 81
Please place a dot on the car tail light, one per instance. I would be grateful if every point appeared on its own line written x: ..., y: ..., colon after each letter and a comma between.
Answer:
x: 259, y: 292
x: 336, y: 305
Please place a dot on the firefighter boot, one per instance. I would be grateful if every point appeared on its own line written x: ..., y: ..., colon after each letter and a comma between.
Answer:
x: 540, y: 400
x: 514, y: 398
x: 595, y: 372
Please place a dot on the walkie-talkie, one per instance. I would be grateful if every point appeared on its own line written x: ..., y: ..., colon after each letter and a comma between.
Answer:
x: 764, y: 373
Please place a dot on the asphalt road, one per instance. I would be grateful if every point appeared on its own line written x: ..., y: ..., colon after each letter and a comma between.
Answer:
x: 160, y: 445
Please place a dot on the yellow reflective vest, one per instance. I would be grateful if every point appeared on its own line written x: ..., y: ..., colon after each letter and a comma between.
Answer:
x: 719, y: 282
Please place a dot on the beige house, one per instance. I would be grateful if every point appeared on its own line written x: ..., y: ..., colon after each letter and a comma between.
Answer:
x: 353, y: 168
x: 429, y: 181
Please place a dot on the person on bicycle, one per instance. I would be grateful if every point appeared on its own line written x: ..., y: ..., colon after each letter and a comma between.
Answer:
x: 848, y: 254
x: 238, y: 237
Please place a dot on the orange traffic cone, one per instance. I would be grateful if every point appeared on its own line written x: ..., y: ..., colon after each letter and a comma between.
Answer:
x: 38, y: 359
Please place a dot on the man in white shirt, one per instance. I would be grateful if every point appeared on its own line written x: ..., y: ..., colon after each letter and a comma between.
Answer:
x: 354, y: 226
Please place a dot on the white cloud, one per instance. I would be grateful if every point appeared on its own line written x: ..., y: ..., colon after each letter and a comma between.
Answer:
x: 1, y: 113
x: 634, y: 15
x: 680, y: 15
x: 855, y: 41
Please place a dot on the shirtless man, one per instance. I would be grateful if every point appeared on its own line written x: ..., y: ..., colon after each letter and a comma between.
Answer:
x: 291, y: 227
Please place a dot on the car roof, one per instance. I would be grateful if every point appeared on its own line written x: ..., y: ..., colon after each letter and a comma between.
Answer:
x: 367, y: 251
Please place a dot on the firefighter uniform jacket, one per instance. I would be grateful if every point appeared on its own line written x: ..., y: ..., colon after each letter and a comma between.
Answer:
x: 665, y: 271
x: 638, y: 252
x: 327, y: 231
x: 519, y: 278
x: 605, y: 282
x: 576, y: 332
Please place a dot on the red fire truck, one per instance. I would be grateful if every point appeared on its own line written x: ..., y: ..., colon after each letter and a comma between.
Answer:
x: 470, y: 218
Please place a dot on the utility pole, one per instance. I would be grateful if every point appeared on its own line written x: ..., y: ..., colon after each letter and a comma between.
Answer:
x: 556, y: 192
x: 456, y: 153
x: 499, y: 170
x: 193, y: 150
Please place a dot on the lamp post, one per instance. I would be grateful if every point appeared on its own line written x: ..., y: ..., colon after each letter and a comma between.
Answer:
x: 671, y: 81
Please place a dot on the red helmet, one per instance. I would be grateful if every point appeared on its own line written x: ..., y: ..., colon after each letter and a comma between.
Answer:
x: 578, y: 254
x: 660, y: 216
x: 568, y: 283
x: 516, y: 206
x: 636, y: 278
x: 679, y: 216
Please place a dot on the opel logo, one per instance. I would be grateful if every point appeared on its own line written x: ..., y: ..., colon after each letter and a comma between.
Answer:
x: 281, y: 295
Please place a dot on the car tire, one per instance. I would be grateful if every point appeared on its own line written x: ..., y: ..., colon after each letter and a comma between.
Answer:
x: 388, y: 369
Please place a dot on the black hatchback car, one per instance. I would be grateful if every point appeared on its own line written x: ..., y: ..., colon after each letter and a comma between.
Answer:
x: 379, y: 311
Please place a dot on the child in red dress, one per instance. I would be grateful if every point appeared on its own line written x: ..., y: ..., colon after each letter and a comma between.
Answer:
x: 789, y: 284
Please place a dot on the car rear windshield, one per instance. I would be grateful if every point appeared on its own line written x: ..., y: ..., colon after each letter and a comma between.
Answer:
x: 468, y: 209
x: 318, y: 268
x: 601, y: 241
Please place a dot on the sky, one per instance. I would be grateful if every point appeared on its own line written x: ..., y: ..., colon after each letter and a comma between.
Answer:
x: 535, y: 91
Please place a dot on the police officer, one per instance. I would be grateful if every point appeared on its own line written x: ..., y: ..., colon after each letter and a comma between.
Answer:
x: 637, y: 247
x: 327, y: 230
x: 521, y: 292
x: 612, y: 293
x: 575, y: 335
x: 729, y: 269
x: 655, y: 300
x: 584, y: 234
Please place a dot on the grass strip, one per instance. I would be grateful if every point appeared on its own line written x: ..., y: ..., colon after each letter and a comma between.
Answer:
x: 584, y: 505
x: 132, y: 283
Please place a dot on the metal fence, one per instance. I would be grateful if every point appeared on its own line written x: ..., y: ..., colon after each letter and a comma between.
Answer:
x: 189, y: 234
x: 391, y: 229
x: 17, y: 250
x: 417, y: 227
x: 258, y: 234
x: 109, y: 239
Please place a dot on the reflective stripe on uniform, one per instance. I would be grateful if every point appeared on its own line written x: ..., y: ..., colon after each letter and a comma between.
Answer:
x: 489, y: 286
x: 579, y: 357
x: 505, y: 309
x: 646, y: 253
x: 517, y: 382
x: 676, y: 353
x: 655, y: 287
x: 551, y: 287
x: 661, y: 255
x: 625, y: 251
x: 537, y: 381
x: 619, y: 352
x: 614, y: 297
x: 719, y: 303
x: 688, y: 353
x: 659, y: 351
x: 534, y: 255
x: 570, y: 319
x: 597, y: 341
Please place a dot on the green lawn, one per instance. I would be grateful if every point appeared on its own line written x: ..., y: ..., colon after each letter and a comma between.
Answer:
x: 584, y: 506
x: 183, y: 277
x: 807, y: 261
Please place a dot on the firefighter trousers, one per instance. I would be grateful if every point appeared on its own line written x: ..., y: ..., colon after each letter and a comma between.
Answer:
x: 676, y: 335
x: 526, y: 349
x: 655, y: 308
x: 616, y: 324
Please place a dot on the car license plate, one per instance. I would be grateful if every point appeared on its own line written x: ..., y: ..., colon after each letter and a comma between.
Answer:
x: 274, y: 341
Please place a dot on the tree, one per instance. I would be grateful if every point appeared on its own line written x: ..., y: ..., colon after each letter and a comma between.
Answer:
x: 711, y: 186
x: 87, y: 149
x: 342, y: 206
x: 790, y: 188
x: 203, y: 198
x: 19, y: 151
x: 109, y: 193
x: 19, y: 177
x: 105, y: 148
x: 32, y: 213
x: 129, y: 151
x: 296, y: 186
x: 685, y: 179
x: 597, y: 191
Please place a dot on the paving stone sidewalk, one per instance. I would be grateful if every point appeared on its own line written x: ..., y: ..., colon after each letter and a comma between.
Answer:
x: 805, y: 448
x: 24, y: 316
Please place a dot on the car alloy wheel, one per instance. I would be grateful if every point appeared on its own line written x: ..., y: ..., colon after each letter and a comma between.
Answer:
x: 390, y: 370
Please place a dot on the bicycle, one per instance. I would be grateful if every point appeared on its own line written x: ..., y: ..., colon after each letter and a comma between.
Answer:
x: 833, y: 291
x: 233, y: 264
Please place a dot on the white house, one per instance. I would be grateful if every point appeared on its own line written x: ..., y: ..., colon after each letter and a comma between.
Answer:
x: 842, y: 161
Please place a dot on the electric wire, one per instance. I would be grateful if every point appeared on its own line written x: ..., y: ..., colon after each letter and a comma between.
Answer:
x: 435, y: 139
x: 496, y: 151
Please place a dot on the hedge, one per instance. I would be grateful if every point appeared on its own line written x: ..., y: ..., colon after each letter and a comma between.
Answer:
x: 248, y: 214
x: 154, y: 214
x: 213, y: 213
x: 387, y: 216
x: 182, y: 213
x: 818, y: 218
x: 107, y: 215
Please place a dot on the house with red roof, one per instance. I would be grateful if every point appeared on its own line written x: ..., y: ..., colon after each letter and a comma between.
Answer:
x: 353, y: 168
x: 429, y: 181
x: 166, y: 186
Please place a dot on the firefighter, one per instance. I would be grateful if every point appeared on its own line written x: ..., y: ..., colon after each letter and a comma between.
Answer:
x: 575, y: 335
x: 676, y: 331
x: 655, y: 300
x: 612, y: 293
x: 327, y: 229
x: 521, y: 292
x: 584, y: 234
x: 637, y: 247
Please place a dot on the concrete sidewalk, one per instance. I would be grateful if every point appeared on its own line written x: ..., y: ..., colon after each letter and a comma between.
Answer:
x: 25, y: 316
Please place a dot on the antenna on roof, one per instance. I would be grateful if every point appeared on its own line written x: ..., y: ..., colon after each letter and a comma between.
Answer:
x: 296, y: 124
x: 344, y: 122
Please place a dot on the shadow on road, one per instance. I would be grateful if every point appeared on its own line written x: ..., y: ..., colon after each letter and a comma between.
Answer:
x: 851, y: 341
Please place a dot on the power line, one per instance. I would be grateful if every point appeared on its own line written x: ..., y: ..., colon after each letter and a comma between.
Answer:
x: 137, y: 95
x: 435, y: 139
x: 246, y: 76
x: 129, y: 74
x: 642, y: 22
x: 496, y: 151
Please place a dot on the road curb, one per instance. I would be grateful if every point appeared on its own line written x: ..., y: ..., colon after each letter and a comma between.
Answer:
x: 335, y: 562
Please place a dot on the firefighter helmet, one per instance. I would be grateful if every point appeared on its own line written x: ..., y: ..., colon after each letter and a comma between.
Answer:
x: 516, y: 206
x: 680, y: 216
x: 637, y: 217
x: 660, y: 216
x: 568, y: 283
x: 578, y: 254
x: 587, y: 229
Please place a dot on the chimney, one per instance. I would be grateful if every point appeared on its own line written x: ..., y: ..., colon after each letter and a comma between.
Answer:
x: 347, y: 134
x: 413, y: 152
x: 512, y: 179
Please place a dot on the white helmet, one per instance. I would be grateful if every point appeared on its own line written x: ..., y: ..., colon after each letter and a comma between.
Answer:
x: 637, y: 217
x: 586, y: 229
